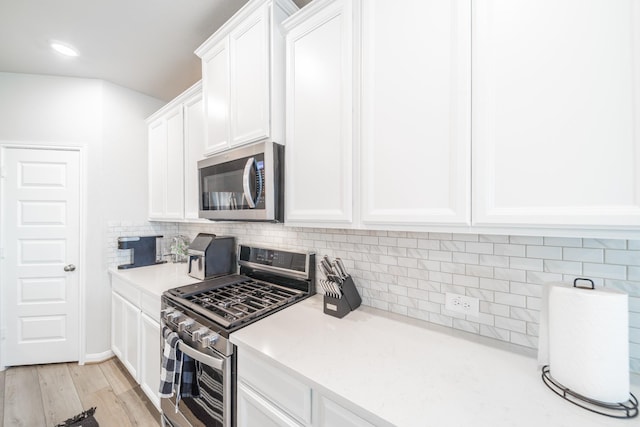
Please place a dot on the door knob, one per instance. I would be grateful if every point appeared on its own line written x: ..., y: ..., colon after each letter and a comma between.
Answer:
x: 69, y: 267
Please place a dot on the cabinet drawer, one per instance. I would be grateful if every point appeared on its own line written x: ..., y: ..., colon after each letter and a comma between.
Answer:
x: 150, y: 305
x: 126, y: 290
x: 280, y: 388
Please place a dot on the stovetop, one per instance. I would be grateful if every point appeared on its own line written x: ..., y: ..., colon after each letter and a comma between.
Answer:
x: 235, y: 299
x: 205, y: 313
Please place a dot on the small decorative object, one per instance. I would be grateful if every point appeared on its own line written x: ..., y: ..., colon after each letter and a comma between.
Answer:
x: 179, y: 248
x: 84, y: 419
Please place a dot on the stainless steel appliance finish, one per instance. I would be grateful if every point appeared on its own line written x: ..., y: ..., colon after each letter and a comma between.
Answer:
x: 205, y: 313
x: 211, y: 256
x: 243, y: 184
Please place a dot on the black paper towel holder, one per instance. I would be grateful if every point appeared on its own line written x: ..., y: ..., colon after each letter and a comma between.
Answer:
x: 628, y: 409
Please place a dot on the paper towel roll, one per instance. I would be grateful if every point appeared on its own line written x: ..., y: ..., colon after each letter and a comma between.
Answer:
x: 589, y: 341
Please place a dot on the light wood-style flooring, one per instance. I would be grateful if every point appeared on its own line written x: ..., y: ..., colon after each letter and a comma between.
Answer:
x: 44, y: 395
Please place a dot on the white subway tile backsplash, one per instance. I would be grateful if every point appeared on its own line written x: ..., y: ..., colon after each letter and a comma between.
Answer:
x: 479, y: 271
x: 509, y: 249
x: 464, y: 280
x: 511, y: 324
x: 546, y: 252
x: 613, y: 256
x: 539, y: 278
x: 440, y: 256
x: 493, y: 332
x: 604, y: 271
x: 525, y: 264
x: 479, y: 248
x: 525, y: 340
x: 510, y: 274
x: 583, y: 255
x: 526, y: 240
x: 512, y: 300
x: 604, y: 243
x: 494, y: 260
x: 465, y: 258
x: 409, y: 272
x: 494, y: 309
x: 632, y: 244
x: 465, y: 325
x: 563, y: 267
x: 493, y: 238
x: 494, y: 284
x: 563, y: 241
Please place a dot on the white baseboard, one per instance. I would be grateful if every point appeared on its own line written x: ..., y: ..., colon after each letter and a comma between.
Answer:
x: 98, y: 357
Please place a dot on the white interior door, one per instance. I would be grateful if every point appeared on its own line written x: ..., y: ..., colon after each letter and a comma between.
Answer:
x: 40, y: 241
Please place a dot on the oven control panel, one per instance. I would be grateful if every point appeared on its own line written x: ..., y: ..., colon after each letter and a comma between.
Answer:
x: 188, y: 328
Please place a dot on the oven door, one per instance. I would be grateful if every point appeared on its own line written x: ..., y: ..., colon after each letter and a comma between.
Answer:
x: 213, y: 408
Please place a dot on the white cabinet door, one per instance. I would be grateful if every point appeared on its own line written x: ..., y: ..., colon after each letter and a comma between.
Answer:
x: 174, y: 184
x: 215, y: 86
x: 194, y: 140
x: 556, y: 93
x: 415, y: 158
x: 117, y: 322
x: 157, y: 167
x: 131, y: 327
x: 330, y: 414
x: 125, y: 324
x: 254, y: 411
x: 319, y: 118
x: 166, y: 166
x: 249, y: 74
x: 150, y: 358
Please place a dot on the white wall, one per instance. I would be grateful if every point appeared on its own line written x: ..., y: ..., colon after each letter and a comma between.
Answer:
x: 107, y: 121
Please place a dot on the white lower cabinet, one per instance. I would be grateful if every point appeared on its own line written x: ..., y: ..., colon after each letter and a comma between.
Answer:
x: 135, y: 335
x: 331, y: 414
x: 254, y: 410
x: 125, y: 320
x: 150, y: 358
x: 270, y: 396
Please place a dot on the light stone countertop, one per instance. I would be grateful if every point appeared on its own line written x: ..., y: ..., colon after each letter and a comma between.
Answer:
x: 411, y: 373
x: 155, y: 279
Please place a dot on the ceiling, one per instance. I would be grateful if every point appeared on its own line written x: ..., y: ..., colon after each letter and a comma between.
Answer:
x: 143, y: 45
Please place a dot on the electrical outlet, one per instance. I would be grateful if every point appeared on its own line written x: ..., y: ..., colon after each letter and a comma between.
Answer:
x: 462, y: 304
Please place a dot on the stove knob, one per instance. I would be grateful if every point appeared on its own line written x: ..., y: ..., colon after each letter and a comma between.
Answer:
x: 199, y: 333
x: 185, y: 324
x: 171, y: 317
x: 208, y: 340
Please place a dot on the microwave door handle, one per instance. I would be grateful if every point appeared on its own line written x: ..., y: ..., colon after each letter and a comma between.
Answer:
x: 246, y: 183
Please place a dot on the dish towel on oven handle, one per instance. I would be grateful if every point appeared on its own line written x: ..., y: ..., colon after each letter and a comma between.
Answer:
x: 179, y: 372
x: 171, y: 362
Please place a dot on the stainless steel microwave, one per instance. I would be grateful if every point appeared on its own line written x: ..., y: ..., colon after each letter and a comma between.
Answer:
x: 243, y: 184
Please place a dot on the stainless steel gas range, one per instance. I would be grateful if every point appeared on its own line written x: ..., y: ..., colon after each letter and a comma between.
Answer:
x: 204, y: 314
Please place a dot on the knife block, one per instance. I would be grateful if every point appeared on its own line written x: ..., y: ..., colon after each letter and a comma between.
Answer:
x: 339, y: 307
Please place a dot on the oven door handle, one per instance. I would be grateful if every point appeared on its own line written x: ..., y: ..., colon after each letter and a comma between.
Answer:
x: 214, y: 362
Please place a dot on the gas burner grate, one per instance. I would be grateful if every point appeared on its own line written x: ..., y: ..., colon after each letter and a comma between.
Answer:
x: 241, y: 301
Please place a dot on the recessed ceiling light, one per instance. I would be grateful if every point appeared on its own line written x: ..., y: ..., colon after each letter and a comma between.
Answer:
x: 64, y: 49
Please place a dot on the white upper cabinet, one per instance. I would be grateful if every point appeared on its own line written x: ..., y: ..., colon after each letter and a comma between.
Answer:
x: 215, y: 71
x: 193, y: 152
x: 176, y: 143
x: 243, y: 76
x: 319, y: 115
x: 416, y: 107
x: 249, y: 73
x: 166, y: 168
x: 556, y: 113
